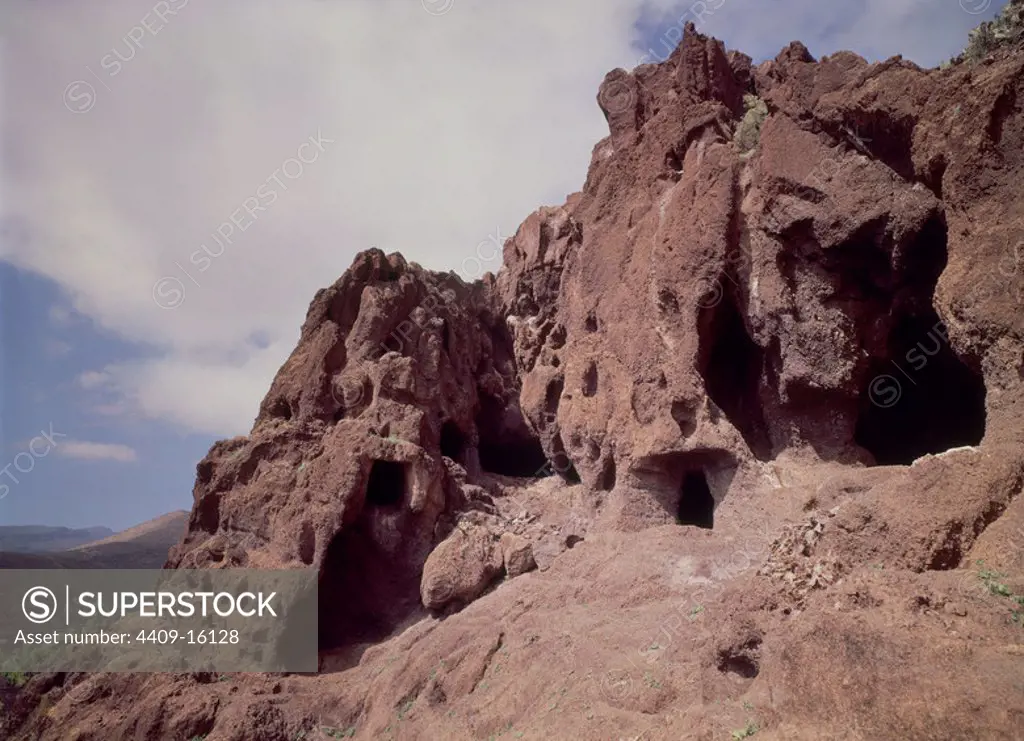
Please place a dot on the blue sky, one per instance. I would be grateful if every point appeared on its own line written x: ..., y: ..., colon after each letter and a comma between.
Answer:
x: 433, y: 151
x: 46, y: 349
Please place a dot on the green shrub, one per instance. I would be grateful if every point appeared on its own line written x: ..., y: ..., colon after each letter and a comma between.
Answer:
x: 15, y: 678
x: 748, y: 133
x: 1006, y: 29
x: 746, y: 732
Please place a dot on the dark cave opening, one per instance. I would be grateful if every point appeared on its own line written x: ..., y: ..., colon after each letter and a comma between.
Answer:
x: 731, y: 364
x: 386, y: 486
x: 508, y: 447
x: 696, y: 505
x: 280, y: 409
x: 920, y: 400
x: 521, y: 459
x: 364, y: 594
x: 918, y: 396
x: 453, y: 442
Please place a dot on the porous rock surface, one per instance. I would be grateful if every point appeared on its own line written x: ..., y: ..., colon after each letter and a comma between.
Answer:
x: 754, y: 415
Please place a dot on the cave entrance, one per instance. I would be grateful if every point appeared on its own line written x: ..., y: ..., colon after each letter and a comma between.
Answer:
x: 730, y: 364
x: 453, y: 442
x: 521, y: 459
x: 920, y: 400
x: 386, y: 486
x: 696, y: 505
x: 919, y: 397
x: 365, y: 593
x: 508, y: 447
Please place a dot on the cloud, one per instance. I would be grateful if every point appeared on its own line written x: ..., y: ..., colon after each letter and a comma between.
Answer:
x: 56, y: 348
x: 86, y: 451
x: 59, y: 315
x: 114, y: 409
x: 93, y: 379
x: 139, y: 144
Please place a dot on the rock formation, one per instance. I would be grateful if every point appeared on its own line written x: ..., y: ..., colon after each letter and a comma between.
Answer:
x: 783, y: 313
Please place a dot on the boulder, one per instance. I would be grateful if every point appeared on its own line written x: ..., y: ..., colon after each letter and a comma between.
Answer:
x: 461, y: 567
x: 517, y: 554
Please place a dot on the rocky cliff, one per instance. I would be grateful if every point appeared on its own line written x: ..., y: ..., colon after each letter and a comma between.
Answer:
x: 718, y: 451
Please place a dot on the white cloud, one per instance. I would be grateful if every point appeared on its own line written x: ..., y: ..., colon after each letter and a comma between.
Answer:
x: 93, y: 379
x: 86, y: 451
x: 59, y: 315
x: 443, y: 127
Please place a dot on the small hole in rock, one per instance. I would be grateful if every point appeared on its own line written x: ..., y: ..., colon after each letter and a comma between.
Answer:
x: 737, y: 663
x: 557, y: 337
x: 281, y: 409
x: 553, y: 395
x: 606, y: 481
x: 307, y: 543
x: 667, y: 301
x: 562, y: 463
x: 685, y: 417
x: 590, y: 380
x: 672, y: 161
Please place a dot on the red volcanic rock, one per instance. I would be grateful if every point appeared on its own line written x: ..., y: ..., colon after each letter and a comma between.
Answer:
x: 704, y: 72
x: 396, y: 370
x: 461, y: 567
x: 744, y: 409
x: 517, y: 554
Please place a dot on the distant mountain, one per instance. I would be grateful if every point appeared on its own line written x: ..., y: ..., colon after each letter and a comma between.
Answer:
x: 144, y: 546
x: 161, y: 531
x: 41, y: 539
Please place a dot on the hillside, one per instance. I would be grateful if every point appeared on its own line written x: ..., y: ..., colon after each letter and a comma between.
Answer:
x: 161, y: 531
x: 144, y: 546
x: 39, y: 538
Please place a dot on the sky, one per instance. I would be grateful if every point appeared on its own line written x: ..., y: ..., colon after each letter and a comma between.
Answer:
x: 178, y: 178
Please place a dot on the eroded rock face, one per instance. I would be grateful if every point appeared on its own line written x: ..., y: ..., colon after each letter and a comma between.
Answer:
x: 397, y: 370
x: 698, y: 308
